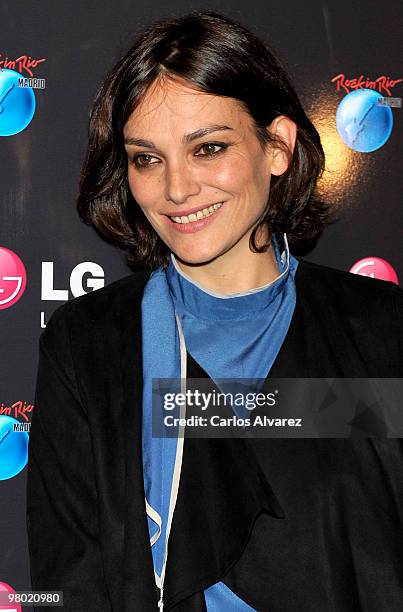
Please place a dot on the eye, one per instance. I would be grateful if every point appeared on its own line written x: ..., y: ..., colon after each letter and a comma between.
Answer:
x: 143, y: 160
x: 209, y: 146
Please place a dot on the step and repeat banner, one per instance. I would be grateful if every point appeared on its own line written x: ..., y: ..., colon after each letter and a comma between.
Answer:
x: 345, y: 60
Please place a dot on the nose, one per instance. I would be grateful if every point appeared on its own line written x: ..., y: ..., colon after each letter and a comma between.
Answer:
x: 181, y: 183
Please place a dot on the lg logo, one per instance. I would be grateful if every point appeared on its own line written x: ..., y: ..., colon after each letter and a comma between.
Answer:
x: 6, y: 596
x: 96, y: 280
x: 13, y: 278
x: 85, y: 277
x: 375, y: 267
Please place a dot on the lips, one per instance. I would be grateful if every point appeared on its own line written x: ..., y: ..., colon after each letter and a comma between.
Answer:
x: 189, y: 211
x: 192, y: 226
x: 201, y: 214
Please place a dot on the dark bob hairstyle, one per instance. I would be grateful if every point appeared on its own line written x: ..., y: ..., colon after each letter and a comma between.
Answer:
x: 218, y: 56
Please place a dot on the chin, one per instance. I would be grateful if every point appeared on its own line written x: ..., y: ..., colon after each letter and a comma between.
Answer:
x: 197, y: 256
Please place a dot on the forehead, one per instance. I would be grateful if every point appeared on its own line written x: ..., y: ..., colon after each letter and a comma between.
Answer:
x: 175, y: 104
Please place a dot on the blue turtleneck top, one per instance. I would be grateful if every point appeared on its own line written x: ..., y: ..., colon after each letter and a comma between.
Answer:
x: 236, y: 335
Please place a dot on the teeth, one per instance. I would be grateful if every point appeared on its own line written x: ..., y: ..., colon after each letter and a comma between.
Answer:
x: 205, y: 212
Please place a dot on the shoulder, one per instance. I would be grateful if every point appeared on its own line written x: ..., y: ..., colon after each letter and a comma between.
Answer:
x: 368, y: 310
x: 345, y: 288
x: 95, y: 309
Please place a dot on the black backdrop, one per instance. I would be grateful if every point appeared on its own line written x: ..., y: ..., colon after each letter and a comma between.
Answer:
x: 39, y: 166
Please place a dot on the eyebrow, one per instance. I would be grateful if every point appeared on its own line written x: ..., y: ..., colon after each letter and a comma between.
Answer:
x: 203, y: 131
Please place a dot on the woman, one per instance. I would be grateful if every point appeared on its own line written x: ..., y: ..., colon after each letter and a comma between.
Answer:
x: 202, y: 167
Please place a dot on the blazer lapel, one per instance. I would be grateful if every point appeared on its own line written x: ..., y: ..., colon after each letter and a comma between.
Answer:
x: 140, y: 591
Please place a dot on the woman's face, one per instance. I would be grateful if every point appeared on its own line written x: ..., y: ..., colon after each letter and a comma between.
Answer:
x: 187, y: 151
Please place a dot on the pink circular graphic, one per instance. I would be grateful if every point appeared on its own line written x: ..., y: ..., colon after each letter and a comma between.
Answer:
x: 6, y: 588
x: 13, y: 278
x: 375, y: 267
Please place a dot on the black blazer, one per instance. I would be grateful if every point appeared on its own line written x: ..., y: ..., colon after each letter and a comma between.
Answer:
x: 307, y: 525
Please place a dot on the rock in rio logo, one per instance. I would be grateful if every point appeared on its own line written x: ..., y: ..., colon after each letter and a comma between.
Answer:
x: 364, y: 118
x: 13, y: 278
x: 17, y: 97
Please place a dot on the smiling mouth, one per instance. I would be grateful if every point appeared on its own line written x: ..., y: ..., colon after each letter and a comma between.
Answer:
x: 201, y: 214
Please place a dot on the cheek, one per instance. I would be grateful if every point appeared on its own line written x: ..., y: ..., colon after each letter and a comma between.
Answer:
x: 238, y: 175
x: 144, y: 190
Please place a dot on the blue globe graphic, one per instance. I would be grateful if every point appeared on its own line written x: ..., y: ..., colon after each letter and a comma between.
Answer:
x: 13, y: 448
x: 361, y: 123
x: 17, y: 104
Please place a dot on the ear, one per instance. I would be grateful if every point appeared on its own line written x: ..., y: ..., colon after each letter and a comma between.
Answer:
x: 286, y: 129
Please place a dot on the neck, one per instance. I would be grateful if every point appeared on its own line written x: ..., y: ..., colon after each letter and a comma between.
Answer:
x: 236, y: 271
